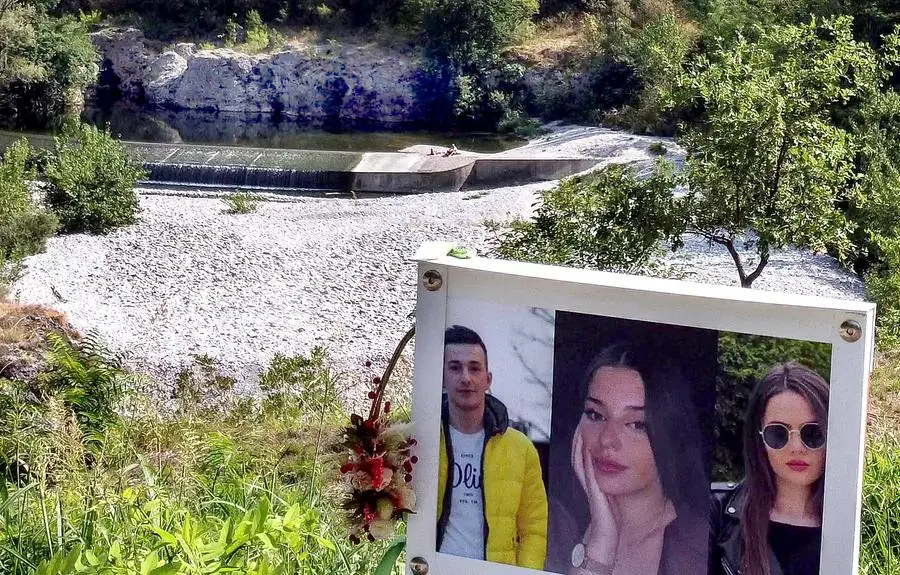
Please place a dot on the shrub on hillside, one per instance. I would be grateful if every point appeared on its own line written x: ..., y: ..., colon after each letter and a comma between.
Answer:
x: 92, y: 180
x: 609, y: 219
x: 468, y: 79
x: 883, y: 285
x: 45, y: 65
x: 24, y: 228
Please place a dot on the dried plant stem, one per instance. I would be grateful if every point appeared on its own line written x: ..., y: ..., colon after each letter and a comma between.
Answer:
x: 382, y: 384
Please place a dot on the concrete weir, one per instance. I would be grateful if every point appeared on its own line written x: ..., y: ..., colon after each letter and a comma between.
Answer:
x: 413, y: 170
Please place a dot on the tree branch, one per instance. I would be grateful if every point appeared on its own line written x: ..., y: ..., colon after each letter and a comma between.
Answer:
x: 763, y: 260
x: 776, y: 179
x: 737, y: 262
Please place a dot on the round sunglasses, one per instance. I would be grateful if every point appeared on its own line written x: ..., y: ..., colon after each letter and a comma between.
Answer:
x: 778, y: 435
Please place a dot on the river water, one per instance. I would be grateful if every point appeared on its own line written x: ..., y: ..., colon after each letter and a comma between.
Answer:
x: 135, y: 123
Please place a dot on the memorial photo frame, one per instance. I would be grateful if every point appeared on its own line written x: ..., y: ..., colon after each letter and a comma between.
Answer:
x: 842, y: 329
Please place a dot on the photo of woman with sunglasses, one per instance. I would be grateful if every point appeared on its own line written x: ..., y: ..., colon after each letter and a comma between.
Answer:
x: 770, y: 524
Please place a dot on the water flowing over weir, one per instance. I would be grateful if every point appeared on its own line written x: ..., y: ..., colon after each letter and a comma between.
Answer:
x: 246, y: 177
x: 257, y: 168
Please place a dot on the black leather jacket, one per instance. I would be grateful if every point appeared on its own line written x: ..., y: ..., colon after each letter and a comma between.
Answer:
x: 725, y: 536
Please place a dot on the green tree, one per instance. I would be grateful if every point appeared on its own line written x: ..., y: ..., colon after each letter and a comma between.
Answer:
x: 45, y: 65
x: 610, y: 219
x: 769, y: 156
x: 92, y: 180
x: 24, y: 227
x: 468, y: 77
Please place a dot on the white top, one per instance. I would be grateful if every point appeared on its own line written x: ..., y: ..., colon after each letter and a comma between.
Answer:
x: 464, y: 535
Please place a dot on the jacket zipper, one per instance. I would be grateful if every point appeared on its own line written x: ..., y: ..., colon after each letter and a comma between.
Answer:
x: 487, y: 528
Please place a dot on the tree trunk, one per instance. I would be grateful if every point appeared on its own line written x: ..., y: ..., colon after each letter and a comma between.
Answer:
x: 747, y: 279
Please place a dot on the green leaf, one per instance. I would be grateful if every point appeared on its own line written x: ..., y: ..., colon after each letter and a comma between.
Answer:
x: 167, y: 569
x: 389, y: 559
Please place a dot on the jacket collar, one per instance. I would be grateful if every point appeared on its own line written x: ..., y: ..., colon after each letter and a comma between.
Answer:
x: 496, y: 416
x: 734, y: 509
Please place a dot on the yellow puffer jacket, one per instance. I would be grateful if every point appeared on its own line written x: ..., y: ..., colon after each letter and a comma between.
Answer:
x: 514, y: 496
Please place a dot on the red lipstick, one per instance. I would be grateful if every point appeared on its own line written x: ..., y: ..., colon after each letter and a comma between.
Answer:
x: 608, y: 467
x: 798, y: 465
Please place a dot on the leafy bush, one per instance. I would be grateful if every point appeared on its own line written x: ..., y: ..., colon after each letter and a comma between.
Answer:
x: 24, y: 228
x: 465, y: 33
x: 45, y: 65
x: 609, y: 219
x: 300, y: 385
x: 14, y: 176
x: 883, y: 286
x: 468, y: 79
x: 26, y: 233
x: 257, y: 32
x: 92, y: 181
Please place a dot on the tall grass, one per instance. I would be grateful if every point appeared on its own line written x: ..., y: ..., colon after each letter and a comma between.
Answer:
x: 233, y: 488
x: 880, y: 535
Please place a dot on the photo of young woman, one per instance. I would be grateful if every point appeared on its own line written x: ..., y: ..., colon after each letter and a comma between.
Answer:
x: 771, y: 522
x: 640, y: 506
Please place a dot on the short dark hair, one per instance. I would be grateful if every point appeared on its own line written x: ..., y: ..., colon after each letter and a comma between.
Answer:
x: 458, y: 334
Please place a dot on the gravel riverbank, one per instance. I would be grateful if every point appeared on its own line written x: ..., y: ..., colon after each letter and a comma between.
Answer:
x: 192, y: 279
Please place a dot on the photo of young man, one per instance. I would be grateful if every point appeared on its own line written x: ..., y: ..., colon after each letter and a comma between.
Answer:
x: 492, y: 503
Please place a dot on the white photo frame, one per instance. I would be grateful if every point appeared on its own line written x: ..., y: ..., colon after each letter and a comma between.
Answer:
x: 848, y: 326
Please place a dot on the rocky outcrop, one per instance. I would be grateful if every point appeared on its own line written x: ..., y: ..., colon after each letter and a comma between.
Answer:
x: 352, y: 83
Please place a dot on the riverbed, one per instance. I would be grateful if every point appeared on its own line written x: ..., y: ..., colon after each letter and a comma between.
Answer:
x: 189, y: 278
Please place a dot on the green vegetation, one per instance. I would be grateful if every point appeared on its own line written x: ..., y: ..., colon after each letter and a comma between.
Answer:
x: 46, y: 62
x: 880, y: 529
x: 240, y: 202
x: 228, y: 486
x: 769, y: 155
x: 608, y: 219
x: 88, y: 186
x: 91, y: 181
x: 24, y: 227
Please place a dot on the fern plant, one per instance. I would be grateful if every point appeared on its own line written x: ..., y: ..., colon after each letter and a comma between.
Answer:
x: 87, y: 378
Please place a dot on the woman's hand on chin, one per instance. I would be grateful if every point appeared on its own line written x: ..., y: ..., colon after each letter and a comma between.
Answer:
x: 602, y: 536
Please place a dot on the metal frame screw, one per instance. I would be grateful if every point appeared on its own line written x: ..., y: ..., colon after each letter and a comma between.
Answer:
x: 850, y: 330
x: 418, y: 565
x: 432, y: 280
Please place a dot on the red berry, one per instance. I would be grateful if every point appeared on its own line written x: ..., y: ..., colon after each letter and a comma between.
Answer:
x: 368, y: 363
x: 414, y: 459
x: 376, y: 380
x: 408, y: 477
x: 387, y: 406
x: 372, y: 395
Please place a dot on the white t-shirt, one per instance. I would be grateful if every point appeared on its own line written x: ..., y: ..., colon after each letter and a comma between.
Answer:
x: 464, y: 534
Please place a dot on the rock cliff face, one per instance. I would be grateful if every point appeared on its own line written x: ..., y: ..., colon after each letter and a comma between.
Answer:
x: 350, y: 83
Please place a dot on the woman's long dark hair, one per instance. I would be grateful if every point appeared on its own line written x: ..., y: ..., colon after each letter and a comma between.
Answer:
x: 759, y: 476
x: 672, y: 423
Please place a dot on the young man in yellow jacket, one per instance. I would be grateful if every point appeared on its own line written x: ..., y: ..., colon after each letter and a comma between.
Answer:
x: 492, y: 504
